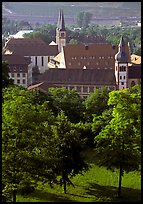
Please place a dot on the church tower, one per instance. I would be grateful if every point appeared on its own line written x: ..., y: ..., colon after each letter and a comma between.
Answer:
x: 121, y: 66
x: 61, y: 32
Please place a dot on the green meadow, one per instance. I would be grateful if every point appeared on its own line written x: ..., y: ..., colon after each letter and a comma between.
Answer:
x: 96, y: 185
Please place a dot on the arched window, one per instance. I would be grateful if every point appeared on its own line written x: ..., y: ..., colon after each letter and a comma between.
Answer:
x: 133, y: 83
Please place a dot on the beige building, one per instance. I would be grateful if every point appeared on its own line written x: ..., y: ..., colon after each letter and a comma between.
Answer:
x: 39, y: 52
x: 18, y: 68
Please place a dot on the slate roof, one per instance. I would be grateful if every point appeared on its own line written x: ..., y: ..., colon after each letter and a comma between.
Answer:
x: 76, y: 76
x: 30, y: 47
x: 17, y: 63
x: 16, y: 59
x: 61, y: 22
x: 134, y: 72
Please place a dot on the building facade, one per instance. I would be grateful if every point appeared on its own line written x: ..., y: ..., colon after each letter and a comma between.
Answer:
x: 18, y: 68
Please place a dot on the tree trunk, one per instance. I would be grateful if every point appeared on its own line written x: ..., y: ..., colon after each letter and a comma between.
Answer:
x: 64, y: 182
x: 120, y: 181
x: 14, y: 196
x: 65, y: 190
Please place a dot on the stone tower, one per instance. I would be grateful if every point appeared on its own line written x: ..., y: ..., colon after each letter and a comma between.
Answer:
x: 121, y: 66
x: 61, y: 32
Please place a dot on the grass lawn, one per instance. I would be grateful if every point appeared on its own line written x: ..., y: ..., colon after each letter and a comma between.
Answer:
x: 96, y: 185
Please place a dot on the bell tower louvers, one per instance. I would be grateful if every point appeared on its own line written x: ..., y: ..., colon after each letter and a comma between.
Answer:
x: 121, y: 66
x: 61, y: 32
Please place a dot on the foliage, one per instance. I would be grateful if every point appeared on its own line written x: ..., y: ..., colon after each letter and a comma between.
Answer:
x: 21, y: 135
x: 96, y: 103
x: 73, y: 42
x: 6, y: 81
x: 68, y: 101
x: 118, y: 144
x: 68, y: 150
x: 83, y: 19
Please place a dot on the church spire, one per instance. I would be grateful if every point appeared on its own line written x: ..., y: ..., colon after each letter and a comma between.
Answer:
x: 61, y: 22
x: 61, y: 31
x: 121, y: 56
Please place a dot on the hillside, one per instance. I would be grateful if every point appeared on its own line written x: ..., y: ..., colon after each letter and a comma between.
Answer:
x: 48, y: 11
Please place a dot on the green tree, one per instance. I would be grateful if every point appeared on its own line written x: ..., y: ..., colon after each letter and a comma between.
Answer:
x: 83, y: 19
x: 6, y: 81
x: 68, y: 101
x: 73, y: 42
x: 25, y: 136
x: 68, y: 151
x: 96, y: 103
x: 118, y: 144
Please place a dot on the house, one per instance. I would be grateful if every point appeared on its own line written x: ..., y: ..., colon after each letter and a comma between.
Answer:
x: 18, y: 68
x: 35, y: 48
x: 84, y: 81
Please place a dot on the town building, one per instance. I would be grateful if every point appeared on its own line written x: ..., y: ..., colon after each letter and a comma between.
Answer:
x: 18, y: 68
x: 35, y: 48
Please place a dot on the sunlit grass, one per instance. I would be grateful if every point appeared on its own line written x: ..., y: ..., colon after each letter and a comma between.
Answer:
x: 97, y: 184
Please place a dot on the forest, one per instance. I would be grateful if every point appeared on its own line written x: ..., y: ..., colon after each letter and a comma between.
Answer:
x: 45, y: 136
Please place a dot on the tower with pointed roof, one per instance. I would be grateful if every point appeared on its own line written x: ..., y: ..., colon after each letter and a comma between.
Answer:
x: 121, y: 66
x: 61, y: 31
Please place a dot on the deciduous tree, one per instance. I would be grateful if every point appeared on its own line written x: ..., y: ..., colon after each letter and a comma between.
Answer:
x: 118, y: 144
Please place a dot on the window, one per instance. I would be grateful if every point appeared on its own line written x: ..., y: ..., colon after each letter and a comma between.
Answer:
x: 70, y: 63
x: 124, y: 77
x: 122, y: 83
x: 85, y: 89
x: 79, y: 63
x: 35, y: 60
x: 62, y: 34
x: 42, y: 61
x: 122, y: 68
x: 78, y: 88
x: 23, y: 74
x: 24, y: 81
x: 18, y: 75
x: 120, y: 77
x: 71, y: 87
x: 12, y: 75
x: 91, y: 88
x: 48, y: 59
x: 133, y: 83
x: 18, y: 81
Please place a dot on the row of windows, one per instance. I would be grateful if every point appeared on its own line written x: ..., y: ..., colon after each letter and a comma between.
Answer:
x: 18, y: 75
x: 84, y: 89
x: 92, y: 57
x: 87, y: 63
x: 23, y: 81
x: 122, y: 77
x: 16, y: 69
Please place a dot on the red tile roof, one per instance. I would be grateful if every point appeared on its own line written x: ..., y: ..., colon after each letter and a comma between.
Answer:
x: 30, y: 47
x: 100, y: 55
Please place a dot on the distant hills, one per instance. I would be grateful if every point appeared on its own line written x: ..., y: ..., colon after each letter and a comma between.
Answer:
x: 48, y: 11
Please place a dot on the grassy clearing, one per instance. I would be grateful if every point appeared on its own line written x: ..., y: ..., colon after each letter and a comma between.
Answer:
x: 96, y: 185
